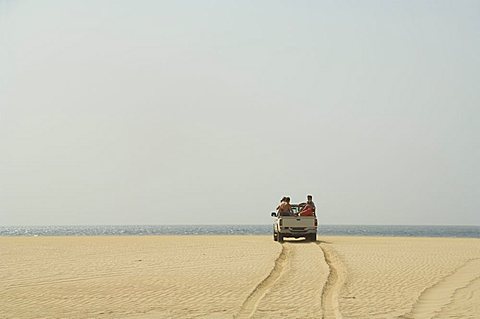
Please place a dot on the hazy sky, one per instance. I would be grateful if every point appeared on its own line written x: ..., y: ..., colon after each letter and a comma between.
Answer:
x: 208, y: 112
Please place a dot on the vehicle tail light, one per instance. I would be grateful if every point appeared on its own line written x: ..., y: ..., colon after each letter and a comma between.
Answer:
x: 280, y: 222
x: 316, y: 222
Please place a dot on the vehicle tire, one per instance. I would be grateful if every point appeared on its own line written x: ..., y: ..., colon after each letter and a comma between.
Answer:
x: 313, y: 237
x: 280, y: 238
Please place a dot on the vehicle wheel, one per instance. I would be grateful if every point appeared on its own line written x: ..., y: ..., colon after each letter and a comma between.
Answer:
x: 313, y: 237
x: 280, y: 238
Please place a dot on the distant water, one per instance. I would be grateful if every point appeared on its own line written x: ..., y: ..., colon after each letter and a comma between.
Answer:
x: 138, y: 230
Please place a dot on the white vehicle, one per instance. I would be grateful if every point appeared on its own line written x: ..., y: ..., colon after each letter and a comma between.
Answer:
x: 294, y: 226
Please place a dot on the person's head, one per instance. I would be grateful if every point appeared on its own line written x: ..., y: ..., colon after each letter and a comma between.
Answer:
x: 283, y: 199
x: 309, y: 198
x: 287, y: 199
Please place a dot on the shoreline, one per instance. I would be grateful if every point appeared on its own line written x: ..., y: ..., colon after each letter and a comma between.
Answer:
x: 319, y: 236
x: 228, y: 230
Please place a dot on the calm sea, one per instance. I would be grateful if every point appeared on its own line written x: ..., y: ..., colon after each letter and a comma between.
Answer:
x: 131, y: 230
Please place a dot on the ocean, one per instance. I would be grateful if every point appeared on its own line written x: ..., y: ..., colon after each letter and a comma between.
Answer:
x: 326, y: 230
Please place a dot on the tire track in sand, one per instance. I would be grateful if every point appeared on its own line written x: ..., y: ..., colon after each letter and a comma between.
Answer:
x: 434, y: 299
x: 335, y: 281
x: 250, y: 304
x: 293, y: 273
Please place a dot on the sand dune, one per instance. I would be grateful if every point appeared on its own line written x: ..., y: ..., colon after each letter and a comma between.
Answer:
x: 238, y: 277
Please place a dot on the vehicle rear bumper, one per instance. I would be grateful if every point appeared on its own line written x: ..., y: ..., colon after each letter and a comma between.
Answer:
x: 297, y: 231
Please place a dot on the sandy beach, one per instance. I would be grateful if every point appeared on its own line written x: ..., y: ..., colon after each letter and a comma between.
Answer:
x: 238, y: 277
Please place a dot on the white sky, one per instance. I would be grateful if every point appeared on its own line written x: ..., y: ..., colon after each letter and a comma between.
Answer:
x: 208, y: 112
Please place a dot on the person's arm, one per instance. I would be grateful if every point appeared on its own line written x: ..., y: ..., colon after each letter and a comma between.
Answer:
x: 302, y: 207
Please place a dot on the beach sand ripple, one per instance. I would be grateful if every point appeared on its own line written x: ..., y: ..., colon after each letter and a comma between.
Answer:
x: 146, y: 277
